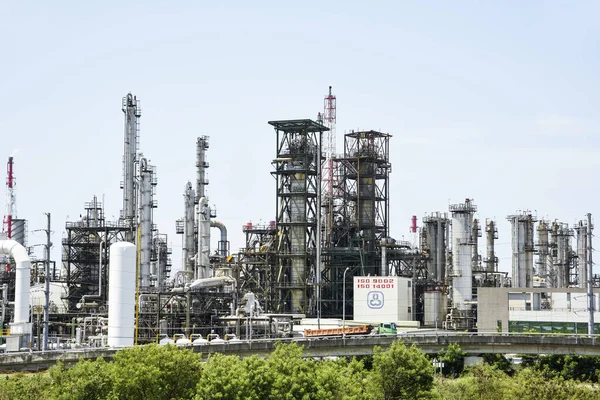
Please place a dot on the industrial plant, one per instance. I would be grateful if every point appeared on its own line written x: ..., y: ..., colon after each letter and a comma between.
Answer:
x: 326, y: 253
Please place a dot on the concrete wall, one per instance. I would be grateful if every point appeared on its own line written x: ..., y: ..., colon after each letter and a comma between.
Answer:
x: 492, y: 306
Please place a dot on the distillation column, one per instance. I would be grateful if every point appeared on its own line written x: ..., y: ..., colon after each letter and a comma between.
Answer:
x: 130, y: 107
x: 582, y: 253
x: 491, y: 234
x: 462, y: 244
x: 544, y: 269
x: 475, y: 258
x: 297, y: 168
x: 203, y: 211
x: 561, y: 235
x: 147, y: 182
x: 522, y: 249
x: 189, y: 243
x: 201, y: 166
x: 435, y: 232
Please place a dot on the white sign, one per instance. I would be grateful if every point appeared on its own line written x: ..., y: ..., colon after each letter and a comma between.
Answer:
x: 381, y: 299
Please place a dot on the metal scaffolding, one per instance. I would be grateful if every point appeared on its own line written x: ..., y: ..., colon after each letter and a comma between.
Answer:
x: 256, y: 264
x: 365, y: 185
x: 82, y: 261
x: 297, y: 171
x: 360, y: 221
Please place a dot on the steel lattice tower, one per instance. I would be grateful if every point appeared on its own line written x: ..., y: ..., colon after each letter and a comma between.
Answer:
x: 297, y: 170
x: 365, y: 190
x: 360, y: 218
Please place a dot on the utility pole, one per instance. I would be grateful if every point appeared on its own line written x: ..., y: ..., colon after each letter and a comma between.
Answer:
x: 590, y: 283
x: 47, y: 307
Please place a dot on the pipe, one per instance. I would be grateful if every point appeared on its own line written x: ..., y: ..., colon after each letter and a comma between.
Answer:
x: 223, y: 245
x: 211, y: 282
x: 4, y: 302
x: 384, y: 263
x: 21, y: 323
x: 180, y: 289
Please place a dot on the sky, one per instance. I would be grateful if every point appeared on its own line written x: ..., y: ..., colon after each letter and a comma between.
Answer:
x: 494, y: 101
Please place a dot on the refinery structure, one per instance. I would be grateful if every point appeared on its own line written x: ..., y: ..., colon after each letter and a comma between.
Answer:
x: 114, y: 285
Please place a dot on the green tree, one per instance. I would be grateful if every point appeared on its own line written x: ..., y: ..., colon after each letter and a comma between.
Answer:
x: 355, y: 380
x: 500, y: 362
x: 155, y: 372
x: 228, y: 377
x: 454, y: 360
x: 581, y: 368
x: 25, y: 386
x: 489, y: 382
x: 533, y: 384
x: 260, y: 381
x: 401, y: 373
x: 291, y: 376
x: 328, y: 380
x: 85, y: 380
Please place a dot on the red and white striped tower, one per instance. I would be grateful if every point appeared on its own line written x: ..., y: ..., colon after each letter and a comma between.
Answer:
x: 11, y: 204
x: 11, y: 208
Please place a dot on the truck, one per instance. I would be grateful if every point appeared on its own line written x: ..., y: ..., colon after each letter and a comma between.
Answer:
x: 385, y: 328
x: 348, y: 330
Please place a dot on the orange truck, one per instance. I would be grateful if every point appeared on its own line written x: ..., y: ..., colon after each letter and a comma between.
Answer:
x: 348, y: 330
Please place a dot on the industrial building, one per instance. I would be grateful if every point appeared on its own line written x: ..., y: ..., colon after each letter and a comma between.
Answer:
x: 330, y: 226
x: 537, y: 310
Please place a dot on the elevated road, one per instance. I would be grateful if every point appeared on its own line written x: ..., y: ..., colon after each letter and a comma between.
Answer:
x: 430, y: 342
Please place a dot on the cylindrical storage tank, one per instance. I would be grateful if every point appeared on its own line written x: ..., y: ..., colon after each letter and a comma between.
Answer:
x: 434, y: 308
x: 462, y: 228
x: 121, y: 294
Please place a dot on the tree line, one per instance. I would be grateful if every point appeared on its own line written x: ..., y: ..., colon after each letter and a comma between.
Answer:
x: 400, y: 372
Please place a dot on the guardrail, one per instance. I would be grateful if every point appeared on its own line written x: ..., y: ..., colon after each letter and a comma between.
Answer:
x: 337, y: 346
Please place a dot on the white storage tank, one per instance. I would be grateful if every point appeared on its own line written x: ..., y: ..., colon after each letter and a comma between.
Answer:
x: 121, y: 294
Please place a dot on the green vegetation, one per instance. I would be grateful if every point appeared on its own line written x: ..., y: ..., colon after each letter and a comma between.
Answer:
x: 400, y: 372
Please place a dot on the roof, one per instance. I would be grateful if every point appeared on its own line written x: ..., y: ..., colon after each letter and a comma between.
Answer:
x: 298, y: 125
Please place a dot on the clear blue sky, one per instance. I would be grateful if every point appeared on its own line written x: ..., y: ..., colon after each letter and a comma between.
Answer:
x: 496, y: 101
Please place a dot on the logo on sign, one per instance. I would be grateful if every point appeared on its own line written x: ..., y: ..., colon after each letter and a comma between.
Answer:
x: 375, y: 299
